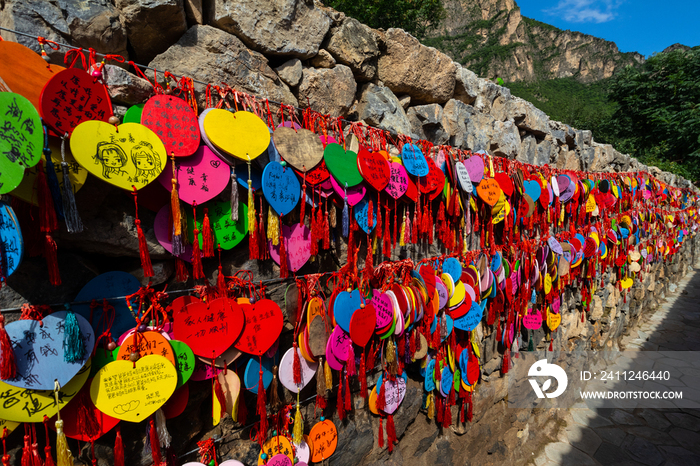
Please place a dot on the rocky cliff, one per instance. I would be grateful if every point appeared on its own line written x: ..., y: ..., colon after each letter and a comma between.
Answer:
x: 492, y: 38
x: 296, y: 52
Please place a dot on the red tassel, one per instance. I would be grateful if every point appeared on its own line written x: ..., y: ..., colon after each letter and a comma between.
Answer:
x: 296, y: 365
x: 339, y: 402
x: 207, y: 236
x: 302, y: 214
x: 381, y: 400
x: 253, y: 252
x: 27, y: 450
x: 348, y: 400
x: 505, y: 366
x: 143, y: 251
x: 369, y: 267
x: 181, y: 273
x: 155, y: 444
x: 351, y: 364
x: 401, y: 347
x: 262, y: 409
x: 118, y: 449
x: 370, y: 215
x: 219, y: 392
x: 386, y: 242
x: 315, y: 233
x: 47, y: 212
x: 379, y: 220
x: 363, y: 376
x: 470, y: 410
x: 50, y: 250
x: 412, y: 345
x: 380, y: 438
x: 143, y: 246
x: 414, y: 226
x: 88, y: 424
x: 47, y: 449
x: 550, y: 343
x: 284, y: 269
x: 8, y: 364
x: 390, y: 433
x: 326, y: 229
x: 197, y: 271
x: 438, y: 410
x: 371, y: 356
x: 221, y: 282
x: 447, y: 420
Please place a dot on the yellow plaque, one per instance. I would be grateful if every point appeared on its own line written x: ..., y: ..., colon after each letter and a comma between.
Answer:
x: 24, y: 405
x: 458, y: 295
x: 132, y: 392
x: 27, y: 189
x: 242, y: 134
x: 128, y: 156
x: 372, y: 401
x: 553, y: 320
x: 9, y: 425
x: 590, y: 204
x: 215, y: 408
x: 627, y: 283
x: 547, y: 283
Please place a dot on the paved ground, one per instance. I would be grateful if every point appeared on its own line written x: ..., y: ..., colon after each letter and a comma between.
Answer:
x: 643, y: 436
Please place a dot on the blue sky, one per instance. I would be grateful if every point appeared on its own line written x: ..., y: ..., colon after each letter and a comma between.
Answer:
x: 643, y: 26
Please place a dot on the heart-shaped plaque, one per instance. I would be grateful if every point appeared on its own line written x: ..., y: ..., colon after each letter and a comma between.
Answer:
x: 280, y: 187
x: 301, y: 148
x: 133, y: 391
x: 489, y: 191
x: 414, y: 160
x: 21, y: 141
x: 210, y: 328
x: 475, y: 168
x: 199, y: 178
x: 242, y: 134
x: 383, y: 308
x: 345, y: 306
x: 297, y: 244
x: 463, y: 177
x: 39, y: 351
x: 361, y: 211
x: 342, y: 165
x: 286, y: 371
x: 263, y: 325
x: 374, y: 168
x: 227, y: 233
x: 174, y: 122
x: 129, y: 156
x: 72, y: 97
x: 398, y: 180
x: 362, y: 325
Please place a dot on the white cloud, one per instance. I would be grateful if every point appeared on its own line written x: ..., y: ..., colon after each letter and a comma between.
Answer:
x: 585, y: 11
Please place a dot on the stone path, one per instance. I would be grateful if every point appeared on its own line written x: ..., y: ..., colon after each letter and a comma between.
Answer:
x: 642, y: 436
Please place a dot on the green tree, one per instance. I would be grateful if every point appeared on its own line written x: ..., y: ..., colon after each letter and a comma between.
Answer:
x: 658, y: 111
x: 417, y: 17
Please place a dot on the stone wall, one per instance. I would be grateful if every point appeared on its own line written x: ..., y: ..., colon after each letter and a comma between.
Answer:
x: 300, y: 53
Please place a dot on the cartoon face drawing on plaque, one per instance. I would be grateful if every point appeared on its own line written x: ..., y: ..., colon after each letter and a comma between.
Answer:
x: 112, y: 158
x: 146, y: 160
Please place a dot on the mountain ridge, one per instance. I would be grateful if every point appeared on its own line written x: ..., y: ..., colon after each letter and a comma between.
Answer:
x: 492, y: 38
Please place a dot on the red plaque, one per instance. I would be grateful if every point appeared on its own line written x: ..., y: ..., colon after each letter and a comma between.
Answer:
x: 174, y: 122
